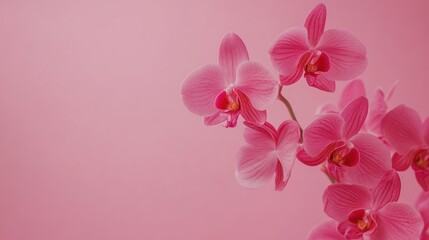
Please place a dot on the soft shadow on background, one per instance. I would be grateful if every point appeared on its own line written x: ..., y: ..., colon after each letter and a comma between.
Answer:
x: 95, y: 142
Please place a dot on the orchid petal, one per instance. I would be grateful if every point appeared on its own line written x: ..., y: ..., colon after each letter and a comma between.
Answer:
x: 287, y: 49
x: 260, y: 135
x: 341, y: 199
x: 422, y: 205
x: 248, y: 112
x: 325, y: 231
x: 402, y: 127
x: 352, y: 91
x: 346, y: 54
x: 402, y: 162
x: 297, y: 72
x: 320, y: 81
x: 397, y: 221
x: 378, y: 109
x: 255, y: 166
x: 388, y: 190
x: 323, y: 156
x: 350, y: 230
x: 310, y: 161
x: 200, y: 89
x: 257, y: 84
x: 322, y: 132
x: 354, y: 115
x: 287, y: 143
x: 232, y: 52
x: 315, y: 23
x: 215, y: 119
x: 374, y: 161
x: 422, y: 177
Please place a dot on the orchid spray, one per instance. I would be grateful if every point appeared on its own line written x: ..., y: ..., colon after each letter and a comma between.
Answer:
x: 359, y: 143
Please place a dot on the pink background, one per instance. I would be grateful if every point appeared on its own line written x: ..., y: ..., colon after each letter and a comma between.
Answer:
x: 95, y: 142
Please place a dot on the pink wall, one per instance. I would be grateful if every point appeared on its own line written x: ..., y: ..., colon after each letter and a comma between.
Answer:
x: 95, y: 142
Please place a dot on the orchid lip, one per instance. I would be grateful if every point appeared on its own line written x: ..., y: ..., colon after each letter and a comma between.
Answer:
x: 421, y: 159
x: 227, y: 101
x: 317, y: 63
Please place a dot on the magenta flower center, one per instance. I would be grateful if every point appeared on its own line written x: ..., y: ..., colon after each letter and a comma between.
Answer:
x: 228, y: 101
x: 421, y: 160
x: 344, y: 156
x: 362, y: 220
x: 319, y: 62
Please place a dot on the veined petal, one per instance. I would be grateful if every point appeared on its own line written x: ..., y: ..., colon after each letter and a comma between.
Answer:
x: 422, y: 177
x: 402, y: 127
x: 255, y: 166
x: 322, y: 132
x: 200, y: 89
x: 374, y: 161
x: 325, y: 231
x: 354, y: 115
x: 341, y: 199
x: 346, y: 53
x: 288, y: 134
x: 232, y: 52
x: 352, y: 91
x: 287, y: 50
x: 248, y: 112
x: 402, y: 162
x: 422, y: 206
x: 350, y: 230
x: 320, y: 81
x: 377, y: 110
x: 287, y: 143
x: 397, y: 221
x: 282, y: 175
x: 297, y: 72
x: 322, y: 157
x: 388, y: 190
x: 260, y: 135
x: 215, y: 119
x: 426, y: 131
x: 257, y: 84
x: 315, y: 23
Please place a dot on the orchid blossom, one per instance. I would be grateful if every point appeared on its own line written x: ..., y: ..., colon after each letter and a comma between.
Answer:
x: 323, y: 57
x: 374, y: 214
x: 404, y: 130
x: 351, y: 157
x: 268, y: 152
x: 377, y: 106
x: 236, y: 86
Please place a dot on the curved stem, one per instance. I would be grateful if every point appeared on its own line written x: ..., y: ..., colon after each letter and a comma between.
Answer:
x: 290, y: 110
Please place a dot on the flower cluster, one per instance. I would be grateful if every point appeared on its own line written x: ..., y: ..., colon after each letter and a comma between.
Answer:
x: 359, y: 143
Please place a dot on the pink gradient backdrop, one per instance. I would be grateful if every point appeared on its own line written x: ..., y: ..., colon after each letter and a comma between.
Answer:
x: 95, y: 142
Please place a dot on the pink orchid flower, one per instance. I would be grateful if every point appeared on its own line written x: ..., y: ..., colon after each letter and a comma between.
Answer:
x: 377, y: 107
x: 404, y: 130
x: 321, y: 56
x: 372, y: 214
x: 351, y: 157
x: 235, y: 87
x: 422, y: 206
x: 268, y: 152
x: 325, y: 231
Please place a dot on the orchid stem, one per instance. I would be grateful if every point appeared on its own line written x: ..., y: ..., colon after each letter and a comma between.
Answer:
x: 290, y: 110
